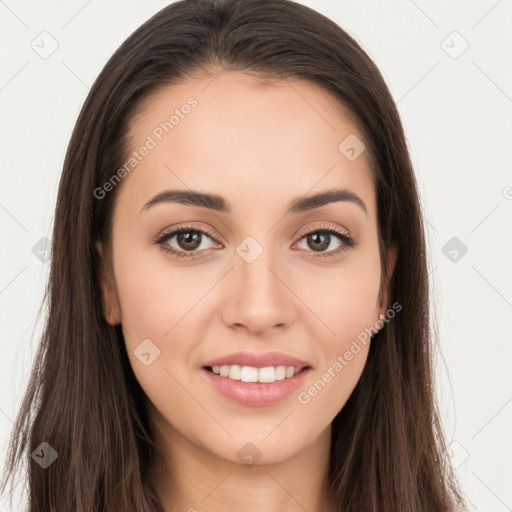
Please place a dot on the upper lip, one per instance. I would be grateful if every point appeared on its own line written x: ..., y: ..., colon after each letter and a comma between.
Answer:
x: 257, y: 360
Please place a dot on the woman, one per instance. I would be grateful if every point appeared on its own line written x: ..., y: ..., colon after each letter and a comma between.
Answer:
x: 238, y: 297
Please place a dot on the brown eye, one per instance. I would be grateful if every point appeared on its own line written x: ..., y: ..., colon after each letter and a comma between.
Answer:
x: 184, y: 241
x: 319, y: 240
x: 188, y: 240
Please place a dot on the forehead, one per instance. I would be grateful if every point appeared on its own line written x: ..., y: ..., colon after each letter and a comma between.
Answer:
x: 246, y: 140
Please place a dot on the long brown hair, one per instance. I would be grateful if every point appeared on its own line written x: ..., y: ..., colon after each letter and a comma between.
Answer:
x: 388, y: 453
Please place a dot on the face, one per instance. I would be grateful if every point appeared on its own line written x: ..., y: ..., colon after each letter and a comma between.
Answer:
x: 245, y: 274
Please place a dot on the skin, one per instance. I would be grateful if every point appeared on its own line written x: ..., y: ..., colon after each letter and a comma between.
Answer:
x: 259, y: 147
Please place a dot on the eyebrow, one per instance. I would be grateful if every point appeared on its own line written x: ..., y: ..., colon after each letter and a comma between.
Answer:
x: 218, y: 203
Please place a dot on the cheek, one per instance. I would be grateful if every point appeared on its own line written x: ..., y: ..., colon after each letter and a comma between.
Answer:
x: 154, y: 297
x: 344, y: 344
x: 157, y: 307
x: 342, y: 305
x: 327, y: 393
x: 157, y: 304
x: 342, y: 301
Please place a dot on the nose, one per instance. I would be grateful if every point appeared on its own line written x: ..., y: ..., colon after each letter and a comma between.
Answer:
x: 258, y: 295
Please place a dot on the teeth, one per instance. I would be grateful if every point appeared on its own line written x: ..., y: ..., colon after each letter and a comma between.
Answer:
x: 249, y: 374
x: 280, y: 372
x: 253, y: 374
x: 234, y: 372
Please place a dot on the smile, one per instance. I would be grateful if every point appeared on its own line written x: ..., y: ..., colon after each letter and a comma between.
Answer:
x: 253, y: 374
x: 253, y: 386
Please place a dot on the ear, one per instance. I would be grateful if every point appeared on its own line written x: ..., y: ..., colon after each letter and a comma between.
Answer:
x: 392, y: 256
x: 111, y: 309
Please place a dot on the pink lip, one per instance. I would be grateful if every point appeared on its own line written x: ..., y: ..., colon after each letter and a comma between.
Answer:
x: 256, y: 393
x: 257, y: 360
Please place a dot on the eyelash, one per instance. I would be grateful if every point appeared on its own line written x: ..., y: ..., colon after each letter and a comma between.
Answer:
x: 347, y: 241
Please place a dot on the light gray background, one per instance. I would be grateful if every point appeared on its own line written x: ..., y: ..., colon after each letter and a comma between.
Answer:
x: 457, y: 112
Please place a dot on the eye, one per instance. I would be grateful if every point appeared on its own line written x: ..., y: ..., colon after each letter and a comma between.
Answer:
x: 190, y: 240
x: 321, y: 238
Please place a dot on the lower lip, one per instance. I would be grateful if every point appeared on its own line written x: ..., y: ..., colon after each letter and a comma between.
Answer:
x: 256, y: 393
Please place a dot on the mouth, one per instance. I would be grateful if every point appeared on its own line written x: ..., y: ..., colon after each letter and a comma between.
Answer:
x: 253, y: 386
x: 262, y: 375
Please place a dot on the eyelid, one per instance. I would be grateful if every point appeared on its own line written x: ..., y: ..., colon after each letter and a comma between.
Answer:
x: 325, y: 225
x: 183, y: 227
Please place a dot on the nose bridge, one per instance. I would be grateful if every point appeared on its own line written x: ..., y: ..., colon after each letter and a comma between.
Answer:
x: 259, y: 297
